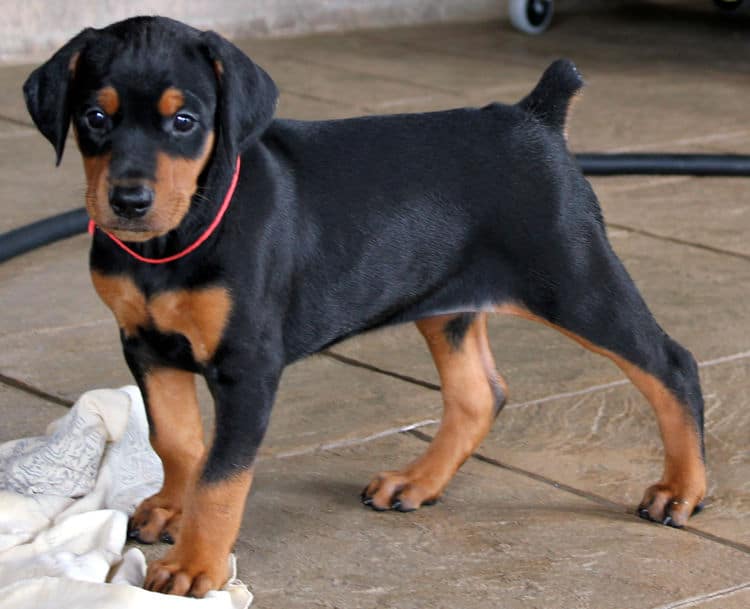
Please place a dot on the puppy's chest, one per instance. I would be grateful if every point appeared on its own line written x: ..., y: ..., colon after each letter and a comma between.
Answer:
x: 200, y: 314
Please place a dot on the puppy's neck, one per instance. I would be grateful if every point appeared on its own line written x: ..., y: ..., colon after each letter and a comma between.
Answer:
x: 208, y: 205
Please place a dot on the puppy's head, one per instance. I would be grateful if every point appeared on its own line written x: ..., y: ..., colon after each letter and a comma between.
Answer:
x: 154, y: 105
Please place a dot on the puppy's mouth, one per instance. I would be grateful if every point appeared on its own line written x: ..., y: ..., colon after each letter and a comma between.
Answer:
x: 165, y: 214
x: 130, y: 230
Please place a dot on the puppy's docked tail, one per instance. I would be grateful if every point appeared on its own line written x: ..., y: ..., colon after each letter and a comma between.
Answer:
x: 550, y: 100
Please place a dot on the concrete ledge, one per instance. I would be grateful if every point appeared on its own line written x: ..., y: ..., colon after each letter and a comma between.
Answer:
x: 30, y: 30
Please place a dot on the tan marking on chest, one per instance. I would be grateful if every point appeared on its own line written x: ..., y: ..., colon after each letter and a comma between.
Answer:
x: 198, y: 315
x: 125, y: 300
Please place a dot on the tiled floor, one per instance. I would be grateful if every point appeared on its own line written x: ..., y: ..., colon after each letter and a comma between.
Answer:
x: 544, y: 518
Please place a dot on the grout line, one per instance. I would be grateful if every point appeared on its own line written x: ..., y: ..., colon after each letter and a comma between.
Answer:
x: 630, y: 185
x: 695, y: 600
x: 567, y: 394
x: 434, y: 387
x: 10, y: 135
x: 16, y: 121
x: 40, y: 393
x: 48, y: 330
x: 409, y: 45
x: 677, y: 240
x: 354, y: 441
x: 584, y: 494
x: 687, y: 141
x: 594, y: 388
x: 548, y: 398
x: 388, y: 104
x: 317, y: 98
x: 726, y: 358
x: 30, y: 389
x: 534, y: 476
x: 374, y: 75
x: 360, y: 364
x: 428, y: 422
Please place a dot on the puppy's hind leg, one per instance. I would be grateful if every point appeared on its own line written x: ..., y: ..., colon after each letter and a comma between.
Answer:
x: 598, y: 305
x: 473, y: 394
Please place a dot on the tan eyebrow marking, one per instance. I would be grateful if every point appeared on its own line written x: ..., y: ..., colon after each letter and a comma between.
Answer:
x: 170, y: 101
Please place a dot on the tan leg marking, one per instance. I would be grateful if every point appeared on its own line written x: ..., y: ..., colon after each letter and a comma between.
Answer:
x: 177, y: 437
x: 199, y: 315
x: 469, y: 406
x: 125, y: 300
x: 684, y: 477
x: 211, y: 522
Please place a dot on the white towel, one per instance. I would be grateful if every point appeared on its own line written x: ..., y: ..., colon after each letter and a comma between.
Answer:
x: 64, y: 504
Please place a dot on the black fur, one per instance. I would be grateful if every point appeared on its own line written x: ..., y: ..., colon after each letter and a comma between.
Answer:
x: 457, y: 327
x: 341, y: 226
x: 47, y: 92
x: 550, y: 99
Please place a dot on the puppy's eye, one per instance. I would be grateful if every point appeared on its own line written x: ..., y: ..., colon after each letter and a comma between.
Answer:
x: 183, y: 123
x: 96, y: 119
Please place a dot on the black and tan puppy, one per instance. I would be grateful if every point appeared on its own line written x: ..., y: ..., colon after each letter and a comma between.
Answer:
x: 327, y: 229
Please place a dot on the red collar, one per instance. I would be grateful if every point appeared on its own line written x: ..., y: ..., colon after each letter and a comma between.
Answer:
x: 193, y: 246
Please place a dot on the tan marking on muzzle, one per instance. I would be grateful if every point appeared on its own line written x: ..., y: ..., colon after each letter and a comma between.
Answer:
x: 96, y: 169
x: 176, y: 183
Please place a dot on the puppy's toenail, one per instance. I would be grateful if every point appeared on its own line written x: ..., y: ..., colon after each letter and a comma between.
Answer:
x: 403, y: 508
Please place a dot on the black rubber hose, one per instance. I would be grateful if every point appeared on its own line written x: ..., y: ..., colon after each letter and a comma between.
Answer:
x: 68, y: 224
x: 21, y: 240
x: 665, y: 164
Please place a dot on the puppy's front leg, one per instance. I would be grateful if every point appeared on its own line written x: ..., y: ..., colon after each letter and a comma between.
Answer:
x: 243, y: 390
x: 176, y: 434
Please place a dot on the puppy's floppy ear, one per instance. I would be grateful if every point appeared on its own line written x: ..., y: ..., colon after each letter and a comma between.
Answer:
x: 247, y: 95
x: 47, y: 91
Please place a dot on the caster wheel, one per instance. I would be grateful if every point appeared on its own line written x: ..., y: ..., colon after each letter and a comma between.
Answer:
x: 530, y: 16
x: 728, y: 5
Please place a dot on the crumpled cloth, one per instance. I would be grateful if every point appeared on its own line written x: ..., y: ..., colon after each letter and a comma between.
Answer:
x: 65, y: 498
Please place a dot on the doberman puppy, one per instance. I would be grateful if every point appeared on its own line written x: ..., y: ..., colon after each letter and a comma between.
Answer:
x: 229, y: 244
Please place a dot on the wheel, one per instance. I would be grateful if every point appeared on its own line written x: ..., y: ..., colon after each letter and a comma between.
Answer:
x: 728, y: 5
x: 530, y: 16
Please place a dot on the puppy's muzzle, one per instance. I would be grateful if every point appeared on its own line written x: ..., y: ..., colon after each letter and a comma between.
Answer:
x: 131, y: 202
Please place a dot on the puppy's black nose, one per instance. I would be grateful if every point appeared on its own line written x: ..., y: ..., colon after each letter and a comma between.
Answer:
x: 131, y: 201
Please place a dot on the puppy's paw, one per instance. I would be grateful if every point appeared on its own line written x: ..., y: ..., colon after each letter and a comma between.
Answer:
x: 400, y: 491
x: 155, y: 519
x: 670, y: 504
x: 180, y: 574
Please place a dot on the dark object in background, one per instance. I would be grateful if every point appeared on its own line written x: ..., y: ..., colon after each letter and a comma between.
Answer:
x: 535, y: 16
